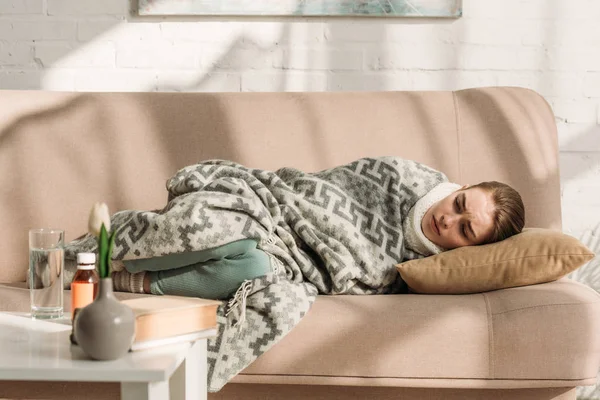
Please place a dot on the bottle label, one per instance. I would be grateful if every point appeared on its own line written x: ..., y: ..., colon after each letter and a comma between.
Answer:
x: 82, y: 294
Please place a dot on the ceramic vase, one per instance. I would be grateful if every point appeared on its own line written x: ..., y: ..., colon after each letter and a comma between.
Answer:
x: 105, y: 328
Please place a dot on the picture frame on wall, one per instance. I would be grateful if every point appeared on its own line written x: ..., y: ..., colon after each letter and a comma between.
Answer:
x: 309, y: 8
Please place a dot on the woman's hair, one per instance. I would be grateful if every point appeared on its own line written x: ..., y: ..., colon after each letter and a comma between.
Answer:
x: 509, y: 217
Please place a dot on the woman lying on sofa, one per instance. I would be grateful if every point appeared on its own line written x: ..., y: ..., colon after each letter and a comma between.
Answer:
x: 435, y: 217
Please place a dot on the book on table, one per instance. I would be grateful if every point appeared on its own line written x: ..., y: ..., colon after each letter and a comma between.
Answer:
x: 162, y: 320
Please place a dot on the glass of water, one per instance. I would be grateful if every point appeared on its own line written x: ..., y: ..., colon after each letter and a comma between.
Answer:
x: 46, y: 264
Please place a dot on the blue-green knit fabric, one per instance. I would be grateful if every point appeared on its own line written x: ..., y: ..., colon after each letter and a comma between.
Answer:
x: 210, y: 274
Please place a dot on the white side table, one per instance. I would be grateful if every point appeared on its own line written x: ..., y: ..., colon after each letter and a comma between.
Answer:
x: 34, y: 350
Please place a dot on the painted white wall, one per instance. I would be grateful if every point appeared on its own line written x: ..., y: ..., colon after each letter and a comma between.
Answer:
x: 551, y: 46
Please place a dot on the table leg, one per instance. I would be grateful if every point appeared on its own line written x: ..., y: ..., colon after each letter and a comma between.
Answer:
x: 188, y: 382
x: 145, y: 390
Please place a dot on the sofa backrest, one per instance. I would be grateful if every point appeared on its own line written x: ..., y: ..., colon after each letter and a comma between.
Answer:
x: 62, y: 152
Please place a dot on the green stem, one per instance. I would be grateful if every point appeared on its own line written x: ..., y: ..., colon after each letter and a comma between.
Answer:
x: 111, y: 242
x: 103, y: 252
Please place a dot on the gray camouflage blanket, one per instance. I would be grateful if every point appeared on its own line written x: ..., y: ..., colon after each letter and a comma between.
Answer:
x: 337, y: 231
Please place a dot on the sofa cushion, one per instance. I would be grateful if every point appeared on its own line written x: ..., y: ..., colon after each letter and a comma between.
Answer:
x: 518, y: 337
x: 533, y: 256
x: 471, y: 135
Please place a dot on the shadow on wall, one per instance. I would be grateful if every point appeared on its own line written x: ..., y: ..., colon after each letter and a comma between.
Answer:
x: 188, y: 135
x: 579, y: 141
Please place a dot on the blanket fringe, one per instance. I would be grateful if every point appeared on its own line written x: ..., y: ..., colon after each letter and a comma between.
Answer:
x: 239, y: 300
x: 276, y: 266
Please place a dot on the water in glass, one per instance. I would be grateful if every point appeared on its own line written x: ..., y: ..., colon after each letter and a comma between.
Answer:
x: 46, y: 280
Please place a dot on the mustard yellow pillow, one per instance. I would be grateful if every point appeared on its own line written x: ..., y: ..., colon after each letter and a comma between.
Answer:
x: 533, y: 256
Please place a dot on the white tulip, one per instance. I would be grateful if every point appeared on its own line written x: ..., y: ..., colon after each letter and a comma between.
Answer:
x: 98, y: 216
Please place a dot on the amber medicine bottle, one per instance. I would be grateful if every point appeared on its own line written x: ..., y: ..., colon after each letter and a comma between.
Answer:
x: 84, y: 286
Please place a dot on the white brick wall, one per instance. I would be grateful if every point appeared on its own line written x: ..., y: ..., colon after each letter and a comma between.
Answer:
x: 551, y: 46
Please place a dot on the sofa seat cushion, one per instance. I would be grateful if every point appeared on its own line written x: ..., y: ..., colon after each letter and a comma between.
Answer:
x: 539, y: 335
x: 533, y: 336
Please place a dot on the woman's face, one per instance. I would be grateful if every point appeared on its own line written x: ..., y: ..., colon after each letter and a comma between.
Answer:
x: 463, y: 218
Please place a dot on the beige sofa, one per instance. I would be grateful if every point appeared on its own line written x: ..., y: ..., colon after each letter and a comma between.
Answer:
x: 61, y: 152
